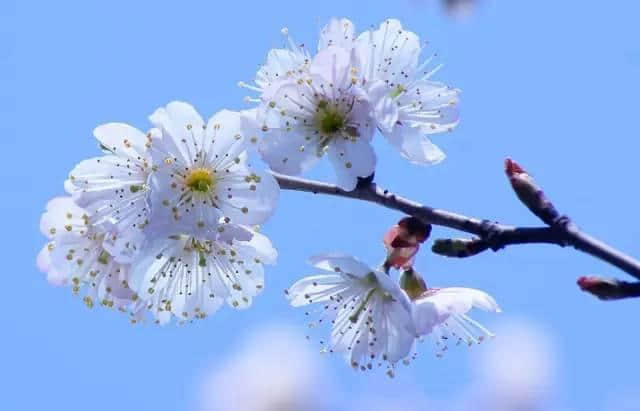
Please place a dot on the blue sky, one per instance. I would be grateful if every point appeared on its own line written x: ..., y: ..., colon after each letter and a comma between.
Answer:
x: 552, y: 84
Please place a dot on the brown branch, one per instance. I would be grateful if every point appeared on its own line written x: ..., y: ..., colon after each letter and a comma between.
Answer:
x: 563, y: 232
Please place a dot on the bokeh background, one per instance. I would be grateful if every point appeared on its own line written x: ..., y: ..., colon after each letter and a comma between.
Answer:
x: 554, y: 84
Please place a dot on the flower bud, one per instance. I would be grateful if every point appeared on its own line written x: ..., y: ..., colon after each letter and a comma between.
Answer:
x: 609, y: 288
x: 412, y: 283
x: 530, y: 193
x: 459, y: 247
x: 403, y: 241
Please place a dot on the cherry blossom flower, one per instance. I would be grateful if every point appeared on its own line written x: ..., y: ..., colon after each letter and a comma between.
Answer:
x: 441, y: 313
x: 113, y: 188
x: 323, y: 112
x: 75, y: 256
x: 408, y: 104
x: 191, y: 277
x: 201, y: 173
x: 370, y: 315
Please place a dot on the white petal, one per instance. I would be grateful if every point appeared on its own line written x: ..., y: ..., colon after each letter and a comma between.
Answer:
x: 401, y: 333
x: 62, y: 218
x: 317, y: 288
x: 385, y: 108
x: 288, y: 145
x: 439, y: 305
x: 225, y: 139
x: 461, y: 300
x: 248, y: 198
x: 338, y: 32
x: 429, y: 105
x: 281, y: 65
x: 334, y: 66
x: 43, y: 261
x: 112, y: 189
x: 415, y: 146
x: 125, y: 246
x: 260, y: 247
x: 182, y: 132
x: 351, y: 159
x: 123, y: 140
x: 388, y: 53
x: 288, y: 153
x: 340, y: 263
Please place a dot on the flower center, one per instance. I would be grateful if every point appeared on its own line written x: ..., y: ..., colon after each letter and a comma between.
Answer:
x: 201, y: 180
x: 397, y: 91
x: 329, y: 119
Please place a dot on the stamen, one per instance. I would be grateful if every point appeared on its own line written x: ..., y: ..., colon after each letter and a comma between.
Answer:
x: 201, y: 180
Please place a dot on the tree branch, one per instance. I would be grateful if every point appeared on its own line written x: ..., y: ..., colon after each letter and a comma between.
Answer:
x: 496, y: 235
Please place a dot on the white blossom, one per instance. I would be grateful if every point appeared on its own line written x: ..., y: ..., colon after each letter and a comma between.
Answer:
x: 75, y: 256
x: 113, y: 188
x: 309, y: 106
x: 370, y: 315
x: 408, y: 104
x: 201, y: 173
x: 191, y: 277
x: 440, y: 313
x: 322, y: 112
x: 271, y: 368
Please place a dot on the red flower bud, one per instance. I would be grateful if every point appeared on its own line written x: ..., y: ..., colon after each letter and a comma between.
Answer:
x: 403, y: 241
x: 609, y: 288
x: 529, y: 193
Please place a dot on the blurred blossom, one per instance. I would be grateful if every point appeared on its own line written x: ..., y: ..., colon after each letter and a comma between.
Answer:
x: 460, y: 8
x: 275, y: 370
x: 516, y: 372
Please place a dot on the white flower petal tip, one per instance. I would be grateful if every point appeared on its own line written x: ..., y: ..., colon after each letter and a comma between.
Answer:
x: 440, y: 314
x: 188, y: 278
x: 75, y: 257
x: 202, y: 173
x: 339, y: 33
x: 369, y: 313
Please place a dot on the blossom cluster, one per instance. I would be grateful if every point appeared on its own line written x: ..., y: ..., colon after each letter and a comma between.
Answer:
x: 331, y: 103
x: 164, y: 223
x: 376, y: 321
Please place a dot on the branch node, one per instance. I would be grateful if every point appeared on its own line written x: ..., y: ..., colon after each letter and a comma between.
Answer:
x: 561, y: 225
x: 365, y: 182
x: 491, y: 235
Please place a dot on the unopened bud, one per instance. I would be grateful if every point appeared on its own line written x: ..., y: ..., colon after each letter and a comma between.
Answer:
x: 459, y: 247
x: 403, y: 241
x: 413, y: 283
x: 609, y: 288
x: 530, y: 193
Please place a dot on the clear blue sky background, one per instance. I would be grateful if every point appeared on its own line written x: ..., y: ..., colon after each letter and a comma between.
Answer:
x: 553, y: 84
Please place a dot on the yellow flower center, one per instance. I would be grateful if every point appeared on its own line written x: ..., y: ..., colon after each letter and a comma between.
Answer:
x: 328, y: 118
x: 201, y: 180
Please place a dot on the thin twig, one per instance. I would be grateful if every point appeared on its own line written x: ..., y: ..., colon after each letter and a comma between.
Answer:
x: 496, y: 235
